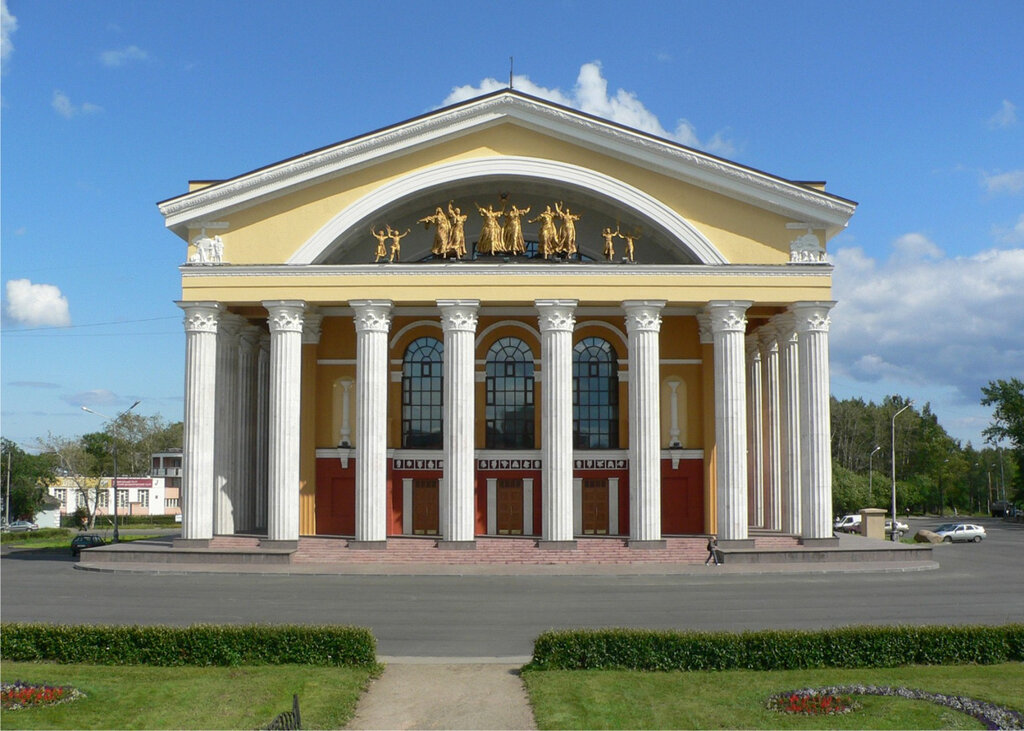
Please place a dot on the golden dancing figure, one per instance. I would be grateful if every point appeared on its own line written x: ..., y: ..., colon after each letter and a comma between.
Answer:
x: 396, y: 243
x: 630, y: 238
x: 442, y: 231
x: 457, y: 238
x: 548, y: 234
x: 567, y: 236
x: 490, y: 235
x: 609, y: 242
x: 381, y: 236
x: 512, y: 231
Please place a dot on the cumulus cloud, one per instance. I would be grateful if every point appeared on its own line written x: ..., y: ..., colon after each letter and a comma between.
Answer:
x: 1011, y: 235
x: 1009, y: 182
x: 121, y: 56
x: 62, y: 104
x: 921, y: 317
x: 36, y: 305
x: 8, y: 24
x: 590, y: 95
x: 1005, y: 117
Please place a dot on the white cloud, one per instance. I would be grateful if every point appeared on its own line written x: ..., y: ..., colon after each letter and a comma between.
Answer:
x: 1005, y: 117
x: 121, y: 56
x: 95, y: 397
x: 1009, y: 182
x: 1014, y: 235
x: 63, y: 106
x: 590, y: 95
x: 36, y: 305
x: 8, y: 24
x: 923, y: 318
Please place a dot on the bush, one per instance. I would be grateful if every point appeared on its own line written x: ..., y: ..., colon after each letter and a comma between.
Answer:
x: 29, y: 535
x: 844, y: 647
x: 196, y: 645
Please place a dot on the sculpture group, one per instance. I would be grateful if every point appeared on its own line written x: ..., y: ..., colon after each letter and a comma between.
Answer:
x: 396, y: 243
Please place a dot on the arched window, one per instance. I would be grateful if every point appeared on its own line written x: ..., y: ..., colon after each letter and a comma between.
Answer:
x: 509, y: 412
x: 595, y: 395
x: 422, y: 390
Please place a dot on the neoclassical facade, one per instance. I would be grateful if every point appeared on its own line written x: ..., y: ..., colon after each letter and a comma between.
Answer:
x: 506, y: 318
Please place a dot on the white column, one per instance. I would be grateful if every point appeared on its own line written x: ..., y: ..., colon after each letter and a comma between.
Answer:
x: 458, y: 511
x: 755, y: 435
x: 728, y: 327
x: 372, y: 322
x: 673, y: 405
x: 200, y: 414
x: 643, y: 324
x: 345, y: 432
x: 556, y: 321
x: 226, y: 435
x: 285, y: 320
x: 772, y: 455
x: 262, y: 431
x: 812, y: 322
x: 245, y: 465
x: 789, y: 423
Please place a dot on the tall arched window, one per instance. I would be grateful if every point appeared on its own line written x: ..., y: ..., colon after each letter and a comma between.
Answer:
x: 595, y: 395
x: 509, y: 412
x: 422, y: 391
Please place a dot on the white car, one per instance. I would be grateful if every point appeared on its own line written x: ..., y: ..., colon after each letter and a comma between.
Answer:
x: 901, y: 527
x: 847, y: 524
x: 959, y: 532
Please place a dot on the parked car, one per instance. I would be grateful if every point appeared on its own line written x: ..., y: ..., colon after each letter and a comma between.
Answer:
x: 847, y: 524
x: 958, y: 532
x: 20, y: 526
x: 86, y: 540
x: 901, y: 527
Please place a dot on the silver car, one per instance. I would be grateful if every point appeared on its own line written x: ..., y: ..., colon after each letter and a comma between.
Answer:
x: 960, y: 532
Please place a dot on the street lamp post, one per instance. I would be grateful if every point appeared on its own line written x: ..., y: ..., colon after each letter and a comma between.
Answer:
x: 895, y: 533
x: 871, y: 474
x: 117, y: 536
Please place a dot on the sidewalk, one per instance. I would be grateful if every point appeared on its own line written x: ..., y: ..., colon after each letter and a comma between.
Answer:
x: 443, y: 693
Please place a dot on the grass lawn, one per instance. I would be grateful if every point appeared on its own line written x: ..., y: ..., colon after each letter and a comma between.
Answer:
x: 55, y: 538
x: 737, y: 699
x: 143, y: 697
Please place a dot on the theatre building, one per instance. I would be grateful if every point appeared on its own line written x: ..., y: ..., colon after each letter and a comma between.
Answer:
x: 506, y: 318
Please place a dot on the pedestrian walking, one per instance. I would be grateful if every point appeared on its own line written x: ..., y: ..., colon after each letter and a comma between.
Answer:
x: 712, y: 551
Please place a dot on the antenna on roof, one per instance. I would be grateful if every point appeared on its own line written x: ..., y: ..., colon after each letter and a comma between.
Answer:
x: 510, y: 64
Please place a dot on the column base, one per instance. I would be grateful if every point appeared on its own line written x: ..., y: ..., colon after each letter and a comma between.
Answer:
x: 279, y: 545
x: 737, y: 543
x: 191, y: 542
x: 456, y: 545
x: 647, y: 545
x: 556, y: 545
x: 831, y: 542
x: 368, y: 545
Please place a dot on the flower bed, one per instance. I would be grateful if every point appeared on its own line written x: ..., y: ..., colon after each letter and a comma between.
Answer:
x: 25, y: 695
x: 828, y: 700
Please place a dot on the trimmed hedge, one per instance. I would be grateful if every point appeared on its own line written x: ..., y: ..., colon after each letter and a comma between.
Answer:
x: 195, y: 645
x: 845, y: 647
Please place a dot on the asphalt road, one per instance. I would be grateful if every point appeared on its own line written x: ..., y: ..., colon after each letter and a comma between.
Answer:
x: 498, y: 616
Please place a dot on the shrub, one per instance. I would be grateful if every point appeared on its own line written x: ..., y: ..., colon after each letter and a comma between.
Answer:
x: 844, y: 647
x: 194, y: 645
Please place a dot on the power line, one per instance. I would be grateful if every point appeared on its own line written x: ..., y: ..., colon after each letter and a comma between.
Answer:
x: 57, y: 328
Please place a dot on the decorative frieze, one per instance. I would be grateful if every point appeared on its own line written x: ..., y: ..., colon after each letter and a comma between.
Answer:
x: 491, y: 465
x: 401, y: 463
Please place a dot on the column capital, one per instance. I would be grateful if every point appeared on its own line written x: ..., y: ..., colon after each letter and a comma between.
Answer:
x: 768, y: 336
x: 249, y: 337
x: 311, y: 327
x: 728, y: 315
x: 557, y: 315
x: 231, y: 325
x: 285, y: 315
x: 643, y: 315
x: 785, y: 327
x: 704, y: 328
x: 752, y: 344
x: 372, y: 315
x: 459, y: 314
x: 812, y: 316
x: 201, y: 317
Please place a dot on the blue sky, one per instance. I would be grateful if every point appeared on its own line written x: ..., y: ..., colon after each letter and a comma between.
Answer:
x: 913, y: 109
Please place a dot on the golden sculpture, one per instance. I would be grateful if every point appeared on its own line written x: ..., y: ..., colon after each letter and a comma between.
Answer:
x: 630, y: 238
x: 548, y: 235
x: 396, y: 243
x: 491, y: 241
x: 442, y: 231
x: 381, y: 236
x: 512, y: 231
x: 567, y: 235
x: 457, y: 238
x: 609, y: 241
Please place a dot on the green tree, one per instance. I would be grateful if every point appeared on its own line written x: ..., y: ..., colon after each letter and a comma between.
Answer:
x: 1007, y: 399
x: 27, y: 476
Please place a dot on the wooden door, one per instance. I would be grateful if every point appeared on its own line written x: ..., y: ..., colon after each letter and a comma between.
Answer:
x: 426, y: 511
x: 508, y: 507
x: 595, y: 507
